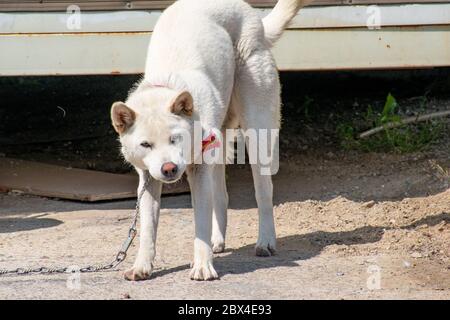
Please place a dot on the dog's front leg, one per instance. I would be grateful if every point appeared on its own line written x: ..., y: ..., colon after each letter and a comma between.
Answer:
x: 200, y: 180
x: 149, y: 216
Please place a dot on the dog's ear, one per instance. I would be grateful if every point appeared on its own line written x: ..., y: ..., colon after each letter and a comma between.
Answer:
x: 122, y: 117
x: 182, y: 104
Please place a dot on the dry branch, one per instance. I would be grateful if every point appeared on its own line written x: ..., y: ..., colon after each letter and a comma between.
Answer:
x: 414, y: 119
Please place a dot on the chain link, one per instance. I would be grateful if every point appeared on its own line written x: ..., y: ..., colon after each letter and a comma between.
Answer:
x: 120, y: 257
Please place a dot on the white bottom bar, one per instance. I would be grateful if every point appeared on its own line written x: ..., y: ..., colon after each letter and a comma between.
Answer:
x: 301, y: 49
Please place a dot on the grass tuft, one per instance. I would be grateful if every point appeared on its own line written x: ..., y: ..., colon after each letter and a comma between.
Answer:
x: 403, y: 139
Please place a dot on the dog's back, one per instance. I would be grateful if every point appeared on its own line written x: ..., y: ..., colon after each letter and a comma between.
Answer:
x: 212, y: 37
x: 191, y: 32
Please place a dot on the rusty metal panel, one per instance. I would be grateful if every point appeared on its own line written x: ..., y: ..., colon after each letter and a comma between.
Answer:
x: 321, y: 38
x: 62, y: 5
x: 359, y: 16
x: 73, y: 54
x: 361, y: 48
x: 92, y: 21
x: 137, y: 21
x: 307, y: 49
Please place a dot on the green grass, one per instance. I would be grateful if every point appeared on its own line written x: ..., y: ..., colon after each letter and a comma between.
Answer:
x: 403, y: 139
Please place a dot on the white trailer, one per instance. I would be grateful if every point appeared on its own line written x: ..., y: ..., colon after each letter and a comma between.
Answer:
x: 60, y: 37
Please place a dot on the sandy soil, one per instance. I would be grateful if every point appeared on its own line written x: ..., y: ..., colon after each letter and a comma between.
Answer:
x: 349, y: 226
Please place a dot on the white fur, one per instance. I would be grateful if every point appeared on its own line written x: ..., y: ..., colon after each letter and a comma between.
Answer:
x: 279, y: 18
x: 219, y: 52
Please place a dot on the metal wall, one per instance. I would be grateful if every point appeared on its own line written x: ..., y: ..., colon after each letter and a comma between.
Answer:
x: 320, y: 38
x: 61, y: 5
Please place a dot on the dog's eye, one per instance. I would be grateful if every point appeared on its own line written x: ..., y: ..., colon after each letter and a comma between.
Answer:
x: 146, y: 145
x: 175, y: 139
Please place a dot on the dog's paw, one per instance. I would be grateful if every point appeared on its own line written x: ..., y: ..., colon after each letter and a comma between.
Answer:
x: 265, y: 248
x: 217, y: 241
x: 218, y: 247
x: 138, y: 273
x: 203, y: 272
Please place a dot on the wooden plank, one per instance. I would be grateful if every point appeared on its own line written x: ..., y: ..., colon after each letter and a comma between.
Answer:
x: 62, y: 5
x: 69, y: 183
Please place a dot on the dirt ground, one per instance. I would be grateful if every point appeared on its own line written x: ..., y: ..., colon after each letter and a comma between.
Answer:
x: 350, y: 225
x: 368, y: 226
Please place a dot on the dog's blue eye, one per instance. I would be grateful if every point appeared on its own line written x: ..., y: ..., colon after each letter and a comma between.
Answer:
x: 175, y: 139
x: 146, y: 145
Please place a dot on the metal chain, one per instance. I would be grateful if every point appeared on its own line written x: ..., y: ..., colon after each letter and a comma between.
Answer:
x: 120, y: 257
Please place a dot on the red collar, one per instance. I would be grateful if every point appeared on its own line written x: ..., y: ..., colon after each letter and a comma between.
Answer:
x: 158, y: 86
x: 210, y: 142
x: 148, y: 84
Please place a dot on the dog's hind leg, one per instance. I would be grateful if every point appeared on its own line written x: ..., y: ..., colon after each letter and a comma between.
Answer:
x: 220, y: 202
x: 259, y: 91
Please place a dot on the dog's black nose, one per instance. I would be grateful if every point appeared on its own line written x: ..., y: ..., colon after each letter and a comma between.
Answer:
x: 169, y: 169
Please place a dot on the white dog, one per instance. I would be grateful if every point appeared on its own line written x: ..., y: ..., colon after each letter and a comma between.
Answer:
x: 208, y: 61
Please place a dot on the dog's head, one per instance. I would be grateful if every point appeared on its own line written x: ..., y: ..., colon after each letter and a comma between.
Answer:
x: 154, y: 126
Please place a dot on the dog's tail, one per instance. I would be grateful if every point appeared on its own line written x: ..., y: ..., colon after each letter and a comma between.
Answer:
x: 279, y: 18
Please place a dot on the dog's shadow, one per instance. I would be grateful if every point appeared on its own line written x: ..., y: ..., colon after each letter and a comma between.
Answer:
x: 299, y: 247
